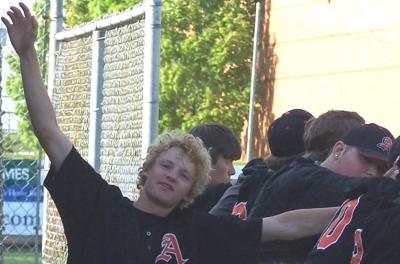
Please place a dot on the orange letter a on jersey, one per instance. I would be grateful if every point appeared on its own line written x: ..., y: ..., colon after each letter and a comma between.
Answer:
x: 171, y: 248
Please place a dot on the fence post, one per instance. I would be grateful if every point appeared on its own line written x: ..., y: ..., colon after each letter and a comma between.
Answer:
x: 151, y: 73
x: 2, y: 38
x: 250, y: 128
x: 96, y: 98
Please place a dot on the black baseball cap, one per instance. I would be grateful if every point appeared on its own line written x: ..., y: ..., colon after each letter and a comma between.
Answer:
x: 285, y: 134
x: 371, y: 140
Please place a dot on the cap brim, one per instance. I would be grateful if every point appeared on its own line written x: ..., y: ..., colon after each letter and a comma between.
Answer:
x: 373, y: 154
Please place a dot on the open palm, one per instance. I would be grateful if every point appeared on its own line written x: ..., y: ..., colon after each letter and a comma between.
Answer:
x: 22, y: 29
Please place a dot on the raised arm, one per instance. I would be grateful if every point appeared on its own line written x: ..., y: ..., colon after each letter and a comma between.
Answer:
x: 22, y: 30
x: 296, y: 224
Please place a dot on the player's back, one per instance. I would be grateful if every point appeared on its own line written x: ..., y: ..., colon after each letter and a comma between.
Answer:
x: 342, y: 240
x: 380, y: 238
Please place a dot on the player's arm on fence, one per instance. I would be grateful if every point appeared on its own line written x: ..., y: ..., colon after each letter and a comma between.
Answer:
x: 296, y: 224
x: 22, y: 30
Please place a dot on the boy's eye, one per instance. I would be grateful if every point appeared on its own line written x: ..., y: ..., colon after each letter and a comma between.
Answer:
x: 165, y: 165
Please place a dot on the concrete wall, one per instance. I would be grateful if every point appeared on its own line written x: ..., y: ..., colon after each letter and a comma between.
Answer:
x: 338, y: 54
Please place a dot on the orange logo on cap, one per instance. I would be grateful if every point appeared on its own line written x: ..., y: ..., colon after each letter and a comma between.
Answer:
x: 386, y: 144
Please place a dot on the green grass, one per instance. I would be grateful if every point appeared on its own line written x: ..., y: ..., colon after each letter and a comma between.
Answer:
x: 20, y: 257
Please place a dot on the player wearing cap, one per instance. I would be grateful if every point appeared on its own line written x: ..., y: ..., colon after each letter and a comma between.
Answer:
x: 365, y: 230
x: 362, y: 151
x: 320, y: 136
x: 102, y: 226
x: 322, y: 133
x: 285, y: 140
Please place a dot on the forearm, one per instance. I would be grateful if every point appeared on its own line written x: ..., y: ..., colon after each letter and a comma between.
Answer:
x: 38, y: 102
x: 296, y: 224
x: 41, y: 111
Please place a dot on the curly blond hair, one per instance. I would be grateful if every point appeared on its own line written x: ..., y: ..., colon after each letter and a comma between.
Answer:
x: 193, y: 147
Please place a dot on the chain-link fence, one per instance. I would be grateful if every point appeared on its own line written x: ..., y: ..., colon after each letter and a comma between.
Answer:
x: 21, y: 159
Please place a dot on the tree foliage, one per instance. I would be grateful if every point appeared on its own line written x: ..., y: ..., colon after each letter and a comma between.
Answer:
x: 13, y: 84
x: 206, y: 49
x: 205, y: 56
x: 82, y: 11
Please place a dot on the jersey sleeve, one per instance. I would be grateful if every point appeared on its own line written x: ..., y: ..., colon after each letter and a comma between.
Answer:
x: 225, y: 205
x: 81, y: 197
x: 227, y: 239
x: 279, y: 196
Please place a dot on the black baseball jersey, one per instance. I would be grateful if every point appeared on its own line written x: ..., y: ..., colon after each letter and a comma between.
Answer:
x: 377, y: 240
x: 303, y: 184
x: 341, y: 242
x: 239, y: 199
x: 209, y: 197
x: 102, y: 226
x: 225, y: 204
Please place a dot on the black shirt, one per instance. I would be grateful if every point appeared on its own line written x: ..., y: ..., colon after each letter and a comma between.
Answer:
x: 365, y: 230
x: 239, y: 199
x: 380, y: 237
x: 303, y: 184
x: 210, y: 196
x: 102, y: 226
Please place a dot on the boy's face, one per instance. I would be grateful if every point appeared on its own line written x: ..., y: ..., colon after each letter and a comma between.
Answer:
x: 222, y: 170
x: 353, y: 163
x: 170, y: 178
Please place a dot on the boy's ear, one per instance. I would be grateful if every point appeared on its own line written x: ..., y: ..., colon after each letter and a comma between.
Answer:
x: 338, y: 149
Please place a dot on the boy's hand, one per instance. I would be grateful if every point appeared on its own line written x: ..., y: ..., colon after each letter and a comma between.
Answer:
x: 22, y: 29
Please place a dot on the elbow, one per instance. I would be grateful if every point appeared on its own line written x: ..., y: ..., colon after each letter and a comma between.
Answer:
x: 46, y: 134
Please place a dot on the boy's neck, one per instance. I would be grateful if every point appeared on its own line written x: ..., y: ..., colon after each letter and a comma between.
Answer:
x: 149, y: 207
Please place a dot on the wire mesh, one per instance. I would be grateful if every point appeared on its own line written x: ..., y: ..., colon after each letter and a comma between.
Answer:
x: 71, y: 100
x: 21, y: 162
x: 121, y: 125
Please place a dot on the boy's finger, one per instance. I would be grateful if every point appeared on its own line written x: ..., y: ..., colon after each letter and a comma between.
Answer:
x: 26, y: 10
x: 12, y: 16
x: 17, y: 12
x: 6, y: 23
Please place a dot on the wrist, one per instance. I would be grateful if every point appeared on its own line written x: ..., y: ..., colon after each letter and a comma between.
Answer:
x: 28, y: 54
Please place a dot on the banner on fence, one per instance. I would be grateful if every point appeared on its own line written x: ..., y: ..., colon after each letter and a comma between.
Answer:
x: 22, y: 196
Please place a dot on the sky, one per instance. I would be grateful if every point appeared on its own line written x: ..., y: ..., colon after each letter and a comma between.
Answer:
x: 5, y: 4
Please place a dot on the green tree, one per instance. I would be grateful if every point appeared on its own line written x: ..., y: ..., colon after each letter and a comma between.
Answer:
x: 13, y: 84
x: 205, y: 56
x: 206, y: 49
x: 81, y: 11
